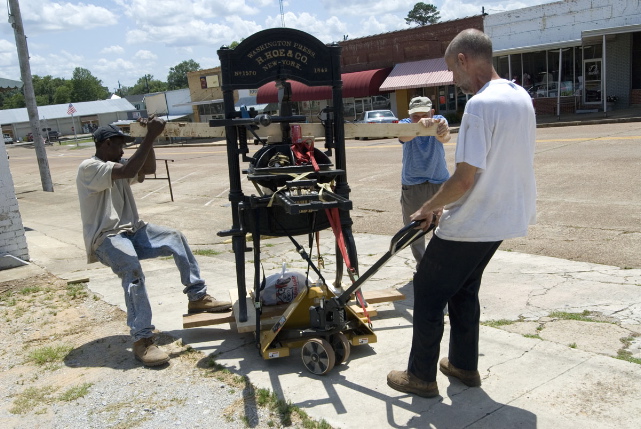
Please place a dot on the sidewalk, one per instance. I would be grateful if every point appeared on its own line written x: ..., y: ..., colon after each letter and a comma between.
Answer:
x: 547, y: 373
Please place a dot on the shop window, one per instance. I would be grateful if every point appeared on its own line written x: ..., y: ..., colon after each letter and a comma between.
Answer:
x: 503, y: 67
x: 636, y: 60
x: 517, y: 69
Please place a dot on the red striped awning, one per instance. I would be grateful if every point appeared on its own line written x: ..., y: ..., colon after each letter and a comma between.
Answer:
x: 357, y: 84
x: 418, y: 74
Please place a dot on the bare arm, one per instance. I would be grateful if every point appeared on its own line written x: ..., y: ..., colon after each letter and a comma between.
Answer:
x: 141, y: 161
x: 442, y: 132
x: 453, y: 189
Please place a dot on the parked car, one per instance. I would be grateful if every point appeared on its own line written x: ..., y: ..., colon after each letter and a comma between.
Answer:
x: 7, y: 139
x: 376, y: 117
x: 53, y: 134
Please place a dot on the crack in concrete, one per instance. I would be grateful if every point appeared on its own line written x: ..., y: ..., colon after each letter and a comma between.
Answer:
x: 527, y: 391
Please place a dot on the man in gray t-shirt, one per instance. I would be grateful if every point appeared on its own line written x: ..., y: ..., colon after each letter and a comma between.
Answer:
x: 116, y: 236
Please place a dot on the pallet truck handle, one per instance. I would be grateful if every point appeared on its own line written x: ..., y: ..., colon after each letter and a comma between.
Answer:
x: 407, y: 235
x: 403, y: 238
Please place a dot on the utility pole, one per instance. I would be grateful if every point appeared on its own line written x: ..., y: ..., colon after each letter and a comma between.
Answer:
x: 15, y: 18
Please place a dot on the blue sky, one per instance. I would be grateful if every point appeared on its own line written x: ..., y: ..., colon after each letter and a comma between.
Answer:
x: 122, y: 40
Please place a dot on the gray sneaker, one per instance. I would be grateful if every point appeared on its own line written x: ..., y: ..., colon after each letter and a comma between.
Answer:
x: 147, y: 352
x: 207, y: 304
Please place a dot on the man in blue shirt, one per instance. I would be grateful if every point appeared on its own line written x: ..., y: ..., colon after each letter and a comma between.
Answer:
x: 424, y: 166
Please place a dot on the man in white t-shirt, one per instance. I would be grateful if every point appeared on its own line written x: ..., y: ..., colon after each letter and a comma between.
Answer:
x: 490, y: 197
x: 117, y: 237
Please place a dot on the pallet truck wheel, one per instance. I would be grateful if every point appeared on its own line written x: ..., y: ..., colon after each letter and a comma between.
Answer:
x: 318, y: 356
x: 341, y: 346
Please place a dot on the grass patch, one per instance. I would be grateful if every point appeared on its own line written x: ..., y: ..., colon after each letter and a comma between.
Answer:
x: 627, y: 341
x: 77, y: 291
x: 75, y: 392
x: 207, y: 252
x: 497, y: 323
x: 9, y: 300
x: 537, y: 336
x: 49, y: 354
x: 31, y: 398
x: 572, y: 345
x: 582, y: 317
x: 263, y: 398
x: 627, y: 356
x: 29, y: 290
x: 284, y: 410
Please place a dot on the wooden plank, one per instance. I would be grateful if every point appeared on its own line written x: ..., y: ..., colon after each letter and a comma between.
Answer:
x: 271, y: 313
x: 202, y: 129
x: 385, y: 295
x: 206, y: 319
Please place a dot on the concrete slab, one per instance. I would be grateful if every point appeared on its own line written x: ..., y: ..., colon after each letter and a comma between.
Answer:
x: 527, y: 382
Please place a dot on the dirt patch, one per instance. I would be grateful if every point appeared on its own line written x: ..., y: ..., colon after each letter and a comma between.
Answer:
x: 66, y: 361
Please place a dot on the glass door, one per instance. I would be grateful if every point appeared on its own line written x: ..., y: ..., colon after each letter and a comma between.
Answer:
x: 592, y: 84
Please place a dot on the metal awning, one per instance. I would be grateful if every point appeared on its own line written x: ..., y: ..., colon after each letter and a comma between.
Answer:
x: 418, y: 74
x: 199, y: 103
x: 9, y: 84
x: 357, y: 84
x: 534, y: 48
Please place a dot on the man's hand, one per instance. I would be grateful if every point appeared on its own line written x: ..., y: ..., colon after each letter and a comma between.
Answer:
x: 427, y: 217
x: 442, y: 130
x: 154, y: 124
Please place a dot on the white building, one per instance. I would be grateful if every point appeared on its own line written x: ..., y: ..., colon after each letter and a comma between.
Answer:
x: 15, y: 122
x: 572, y: 54
x: 13, y: 242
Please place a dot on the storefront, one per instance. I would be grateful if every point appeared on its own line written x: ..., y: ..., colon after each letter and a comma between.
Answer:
x: 361, y: 92
x: 583, y: 59
x: 425, y: 78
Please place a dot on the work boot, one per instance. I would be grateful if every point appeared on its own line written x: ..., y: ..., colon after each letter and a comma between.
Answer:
x: 469, y: 378
x: 208, y: 304
x: 148, y: 353
x: 405, y: 381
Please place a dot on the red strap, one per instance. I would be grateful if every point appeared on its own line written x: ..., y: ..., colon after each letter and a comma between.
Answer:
x: 335, y: 222
x: 304, y: 154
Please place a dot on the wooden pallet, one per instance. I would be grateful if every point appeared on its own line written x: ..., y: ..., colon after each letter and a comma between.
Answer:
x: 271, y: 313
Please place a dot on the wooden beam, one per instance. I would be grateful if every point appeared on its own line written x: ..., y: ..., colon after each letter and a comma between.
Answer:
x: 272, y: 313
x: 202, y: 129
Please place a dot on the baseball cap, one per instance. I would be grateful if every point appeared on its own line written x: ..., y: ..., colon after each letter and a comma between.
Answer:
x: 420, y: 104
x: 104, y: 133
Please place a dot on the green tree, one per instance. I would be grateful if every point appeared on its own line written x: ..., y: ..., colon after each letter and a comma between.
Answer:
x: 86, y: 87
x: 423, y: 14
x: 145, y: 85
x: 45, y: 88
x: 62, y: 94
x: 16, y: 101
x: 177, y: 77
x: 233, y: 44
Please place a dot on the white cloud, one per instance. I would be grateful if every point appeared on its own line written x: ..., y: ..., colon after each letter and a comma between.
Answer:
x: 193, y: 33
x: 144, y: 54
x: 174, y: 12
x: 378, y: 25
x: 107, y: 65
x: 46, y: 15
x: 327, y: 31
x: 371, y: 8
x: 115, y: 49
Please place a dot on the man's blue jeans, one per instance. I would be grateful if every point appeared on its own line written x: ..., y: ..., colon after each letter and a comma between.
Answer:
x: 123, y: 253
